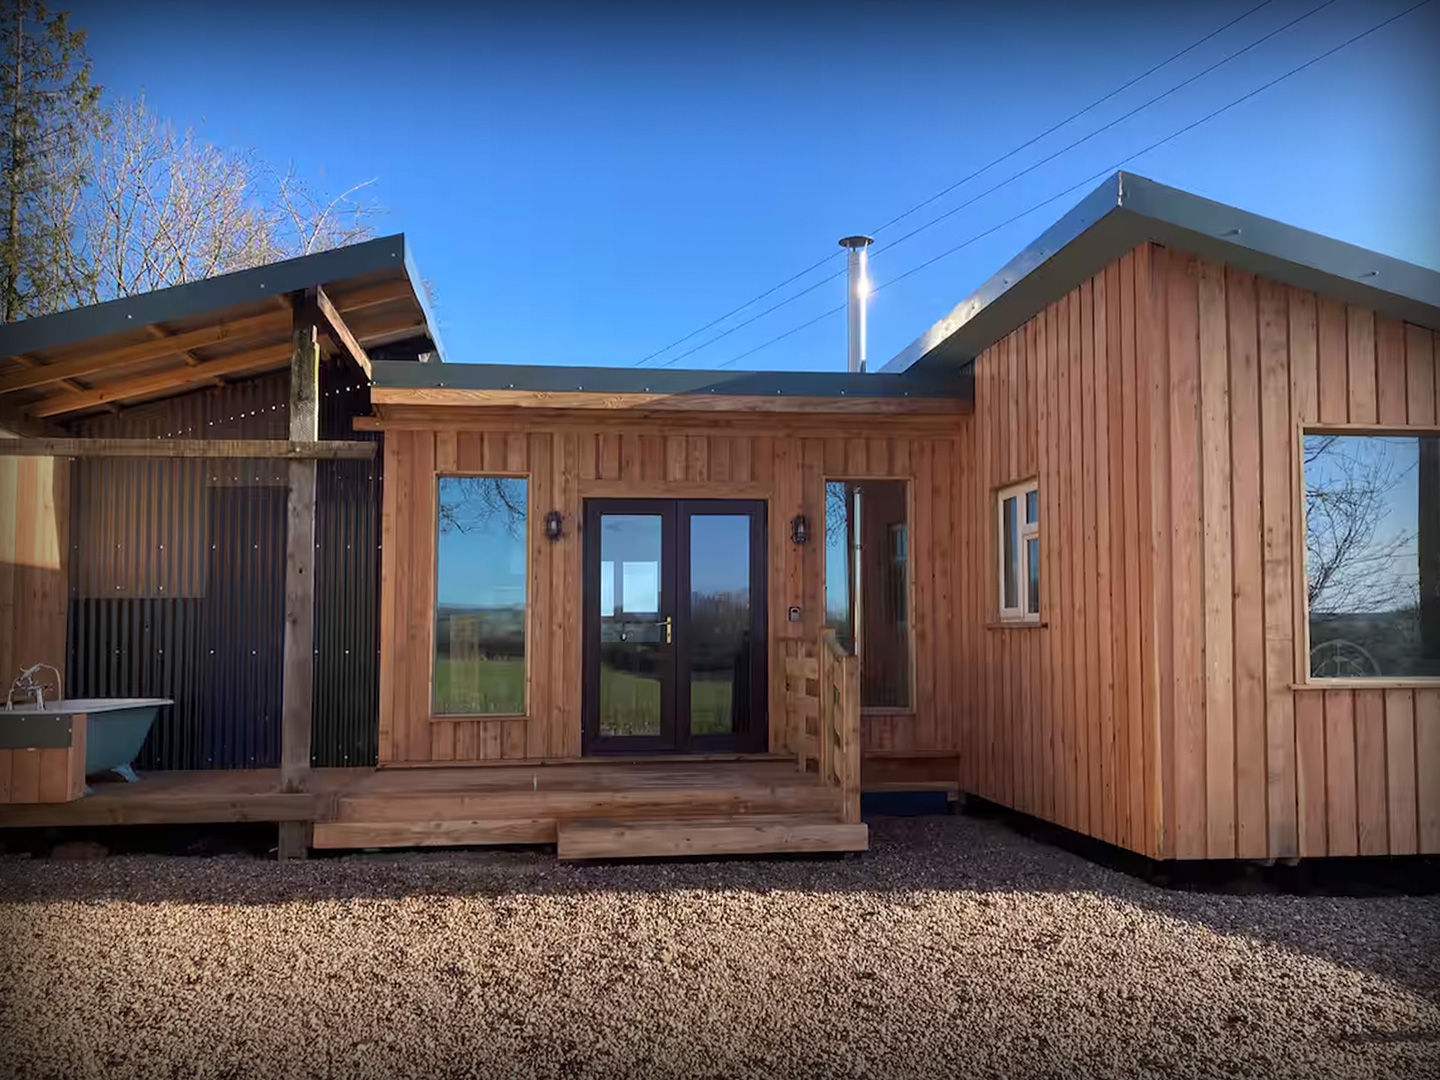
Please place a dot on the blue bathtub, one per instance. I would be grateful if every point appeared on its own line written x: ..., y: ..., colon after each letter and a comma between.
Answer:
x: 115, y: 728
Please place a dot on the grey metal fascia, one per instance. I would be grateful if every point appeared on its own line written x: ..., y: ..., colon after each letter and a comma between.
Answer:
x: 629, y: 380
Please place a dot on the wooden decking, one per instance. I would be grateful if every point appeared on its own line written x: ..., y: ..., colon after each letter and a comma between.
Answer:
x: 590, y: 809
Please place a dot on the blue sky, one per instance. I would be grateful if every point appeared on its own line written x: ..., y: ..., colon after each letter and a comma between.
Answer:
x: 586, y: 185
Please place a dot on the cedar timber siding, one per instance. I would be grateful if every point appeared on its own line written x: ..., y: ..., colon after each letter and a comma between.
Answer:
x: 1163, y: 705
x: 782, y: 459
x: 34, y: 544
x: 1261, y: 762
x: 1059, y: 720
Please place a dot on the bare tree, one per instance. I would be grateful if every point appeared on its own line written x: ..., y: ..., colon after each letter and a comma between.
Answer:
x: 48, y: 109
x: 471, y: 503
x: 165, y: 206
x: 1353, y: 556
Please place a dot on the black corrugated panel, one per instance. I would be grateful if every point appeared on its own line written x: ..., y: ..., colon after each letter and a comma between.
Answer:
x: 346, y: 711
x: 177, y: 580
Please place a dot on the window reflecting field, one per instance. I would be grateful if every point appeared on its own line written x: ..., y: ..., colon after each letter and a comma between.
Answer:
x: 480, y: 596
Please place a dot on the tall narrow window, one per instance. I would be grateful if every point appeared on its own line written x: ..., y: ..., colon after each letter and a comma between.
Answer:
x: 867, y: 584
x: 1019, y: 543
x: 480, y: 596
x: 1372, y: 555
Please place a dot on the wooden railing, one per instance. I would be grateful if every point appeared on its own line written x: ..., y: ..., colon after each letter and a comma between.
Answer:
x: 822, y: 708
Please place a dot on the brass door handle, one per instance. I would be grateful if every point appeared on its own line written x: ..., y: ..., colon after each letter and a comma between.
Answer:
x: 669, y: 626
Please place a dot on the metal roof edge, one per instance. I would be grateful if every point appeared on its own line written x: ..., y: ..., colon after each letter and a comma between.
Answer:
x: 542, y: 378
x: 1127, y: 210
x: 195, y: 298
x: 1093, y: 208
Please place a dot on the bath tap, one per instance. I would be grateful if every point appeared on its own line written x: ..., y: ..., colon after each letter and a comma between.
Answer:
x: 27, y: 684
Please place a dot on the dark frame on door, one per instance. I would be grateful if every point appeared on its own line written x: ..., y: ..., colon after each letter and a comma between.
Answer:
x: 749, y: 732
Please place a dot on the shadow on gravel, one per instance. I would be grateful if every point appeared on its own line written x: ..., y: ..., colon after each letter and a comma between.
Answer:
x: 1383, y: 930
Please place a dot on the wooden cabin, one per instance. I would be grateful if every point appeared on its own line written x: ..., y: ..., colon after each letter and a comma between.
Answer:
x: 1142, y: 539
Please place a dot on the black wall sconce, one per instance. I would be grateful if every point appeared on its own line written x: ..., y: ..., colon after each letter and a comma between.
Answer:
x: 799, y: 529
x: 554, y: 525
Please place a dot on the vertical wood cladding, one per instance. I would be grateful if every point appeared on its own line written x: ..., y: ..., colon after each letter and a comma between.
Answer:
x: 1161, y: 705
x: 786, y: 464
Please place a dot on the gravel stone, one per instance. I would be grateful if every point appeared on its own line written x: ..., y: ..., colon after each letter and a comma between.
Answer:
x: 955, y: 948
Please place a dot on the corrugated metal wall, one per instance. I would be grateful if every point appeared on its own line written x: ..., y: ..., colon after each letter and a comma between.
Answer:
x: 177, y: 580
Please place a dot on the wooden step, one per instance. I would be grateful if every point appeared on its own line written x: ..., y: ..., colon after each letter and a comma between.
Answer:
x: 401, y: 834
x: 563, y: 804
x: 748, y: 834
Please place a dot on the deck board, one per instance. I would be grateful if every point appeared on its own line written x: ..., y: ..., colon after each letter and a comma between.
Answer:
x: 492, y: 804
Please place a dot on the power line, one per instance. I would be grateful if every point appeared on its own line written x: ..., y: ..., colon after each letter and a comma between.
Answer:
x: 1097, y: 176
x: 1161, y: 142
x: 996, y: 187
x: 1073, y: 116
x: 1100, y: 130
x: 736, y: 311
x: 941, y: 194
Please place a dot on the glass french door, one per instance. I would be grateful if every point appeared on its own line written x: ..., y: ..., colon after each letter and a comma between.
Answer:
x: 674, y: 625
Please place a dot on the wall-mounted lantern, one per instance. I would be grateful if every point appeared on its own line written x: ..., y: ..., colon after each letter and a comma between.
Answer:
x: 799, y: 529
x: 554, y: 525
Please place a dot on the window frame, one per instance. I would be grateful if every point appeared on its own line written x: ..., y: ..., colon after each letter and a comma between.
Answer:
x: 1303, y: 678
x: 530, y: 552
x: 1024, y: 532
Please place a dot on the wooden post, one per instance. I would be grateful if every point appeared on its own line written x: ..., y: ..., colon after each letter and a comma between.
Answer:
x: 299, y: 667
x: 849, y: 729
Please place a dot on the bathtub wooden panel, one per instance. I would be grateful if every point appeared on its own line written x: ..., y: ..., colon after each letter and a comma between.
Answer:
x: 45, y: 774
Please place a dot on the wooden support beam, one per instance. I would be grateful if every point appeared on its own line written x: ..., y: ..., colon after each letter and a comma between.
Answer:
x: 187, y: 448
x: 299, y: 668
x: 381, y: 292
x: 167, y: 345
x: 159, y: 333
x: 158, y: 382
x: 30, y: 364
x: 342, y: 335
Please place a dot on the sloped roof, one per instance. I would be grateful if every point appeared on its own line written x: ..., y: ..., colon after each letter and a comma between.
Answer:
x: 173, y: 340
x: 1128, y: 210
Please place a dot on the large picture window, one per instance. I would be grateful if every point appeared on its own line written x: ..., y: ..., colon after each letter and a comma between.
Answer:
x: 867, y: 584
x: 1372, y: 555
x: 480, y: 596
x: 1019, y: 535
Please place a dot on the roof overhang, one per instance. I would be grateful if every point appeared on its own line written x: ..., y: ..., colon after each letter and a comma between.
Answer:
x: 649, y: 389
x: 170, y: 341
x: 1128, y: 210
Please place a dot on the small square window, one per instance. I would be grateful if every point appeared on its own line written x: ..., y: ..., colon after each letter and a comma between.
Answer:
x: 1019, y: 541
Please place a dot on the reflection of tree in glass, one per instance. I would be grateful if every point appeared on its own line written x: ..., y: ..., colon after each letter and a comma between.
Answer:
x: 472, y: 503
x: 1353, y: 556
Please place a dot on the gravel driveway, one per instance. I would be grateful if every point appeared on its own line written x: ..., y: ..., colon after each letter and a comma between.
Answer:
x: 956, y: 948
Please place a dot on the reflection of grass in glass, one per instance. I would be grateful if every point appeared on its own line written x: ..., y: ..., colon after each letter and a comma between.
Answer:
x: 710, y: 703
x: 469, y: 687
x: 630, y: 704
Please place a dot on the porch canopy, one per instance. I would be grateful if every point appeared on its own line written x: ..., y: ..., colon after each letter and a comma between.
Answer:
x: 366, y: 301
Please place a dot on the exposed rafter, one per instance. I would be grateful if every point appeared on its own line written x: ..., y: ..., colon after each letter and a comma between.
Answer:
x: 158, y: 382
x: 170, y: 345
x: 334, y: 324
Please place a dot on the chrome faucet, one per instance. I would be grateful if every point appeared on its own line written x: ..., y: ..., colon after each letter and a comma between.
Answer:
x: 28, y: 684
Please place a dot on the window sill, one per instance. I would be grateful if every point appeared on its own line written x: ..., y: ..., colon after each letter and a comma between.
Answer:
x: 1417, y: 683
x: 1016, y: 624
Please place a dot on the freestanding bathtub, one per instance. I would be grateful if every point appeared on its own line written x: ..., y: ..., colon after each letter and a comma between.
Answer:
x: 115, y: 729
